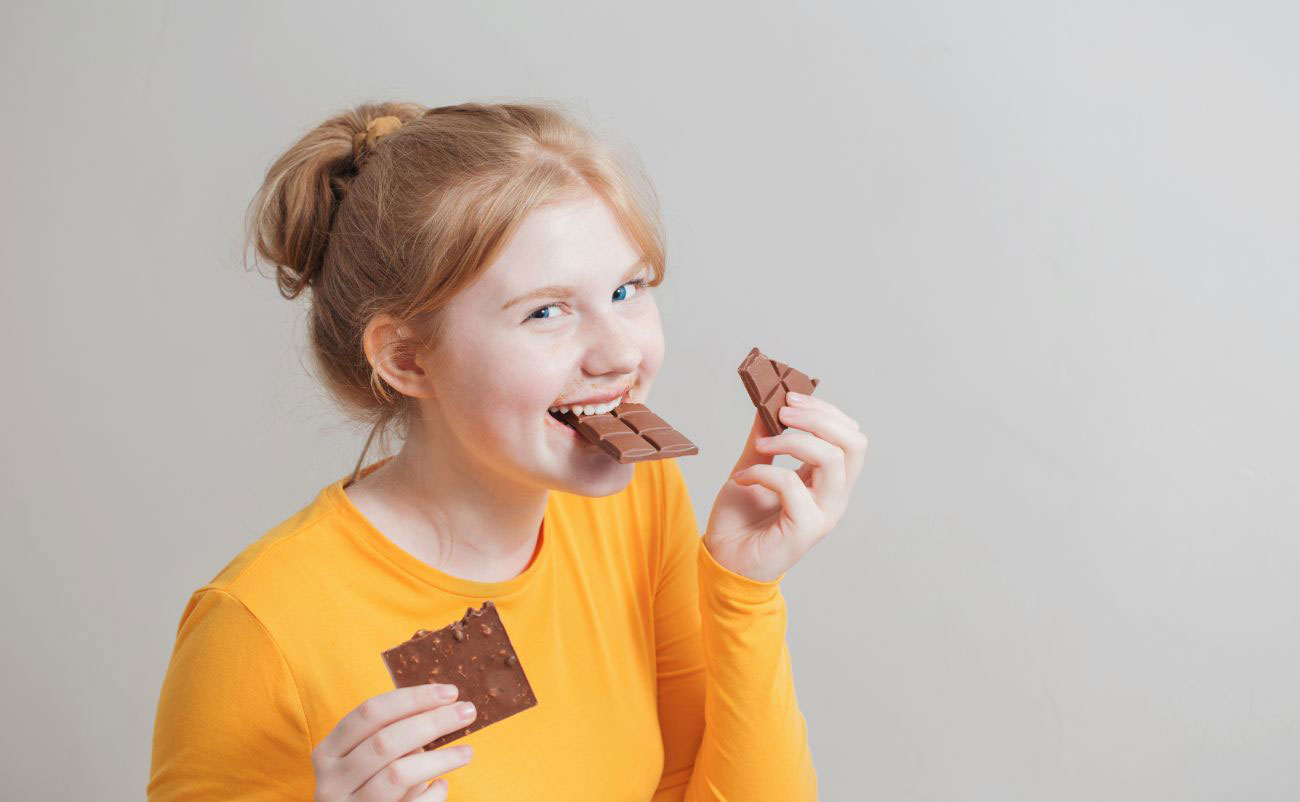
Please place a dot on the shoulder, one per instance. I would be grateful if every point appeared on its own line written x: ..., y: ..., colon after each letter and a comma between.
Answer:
x: 284, y: 558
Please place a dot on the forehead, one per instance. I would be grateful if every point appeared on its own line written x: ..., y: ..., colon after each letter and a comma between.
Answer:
x: 562, y: 243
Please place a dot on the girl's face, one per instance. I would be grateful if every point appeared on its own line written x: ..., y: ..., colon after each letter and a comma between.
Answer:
x: 556, y: 318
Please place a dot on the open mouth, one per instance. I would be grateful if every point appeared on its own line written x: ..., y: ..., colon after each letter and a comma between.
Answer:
x: 590, y: 409
x: 557, y: 413
x: 557, y: 416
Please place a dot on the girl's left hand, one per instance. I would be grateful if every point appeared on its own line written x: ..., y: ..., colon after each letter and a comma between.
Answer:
x: 766, y: 517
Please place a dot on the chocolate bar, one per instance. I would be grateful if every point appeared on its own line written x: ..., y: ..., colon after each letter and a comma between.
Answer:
x: 767, y: 381
x: 476, y: 656
x: 630, y: 433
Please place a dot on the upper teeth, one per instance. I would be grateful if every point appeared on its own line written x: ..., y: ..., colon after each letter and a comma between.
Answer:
x: 590, y: 409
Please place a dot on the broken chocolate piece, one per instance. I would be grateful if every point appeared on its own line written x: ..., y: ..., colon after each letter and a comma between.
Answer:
x: 476, y: 656
x: 767, y: 381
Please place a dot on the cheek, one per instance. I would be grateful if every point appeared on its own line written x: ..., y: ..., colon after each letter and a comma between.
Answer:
x: 485, y: 397
x: 499, y: 371
x: 651, y: 342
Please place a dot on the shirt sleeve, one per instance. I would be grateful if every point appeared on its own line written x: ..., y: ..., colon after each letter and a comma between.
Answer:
x: 230, y: 724
x: 731, y: 725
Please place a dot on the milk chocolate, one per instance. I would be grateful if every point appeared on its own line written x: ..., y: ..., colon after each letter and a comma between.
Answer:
x: 476, y: 656
x: 767, y: 381
x: 630, y: 433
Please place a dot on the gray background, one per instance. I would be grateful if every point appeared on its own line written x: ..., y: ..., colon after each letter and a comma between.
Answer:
x: 1044, y: 252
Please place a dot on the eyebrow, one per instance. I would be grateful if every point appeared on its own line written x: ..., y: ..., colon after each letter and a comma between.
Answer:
x: 557, y: 290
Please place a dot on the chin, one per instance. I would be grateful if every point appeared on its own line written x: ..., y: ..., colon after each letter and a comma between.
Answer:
x: 606, y: 481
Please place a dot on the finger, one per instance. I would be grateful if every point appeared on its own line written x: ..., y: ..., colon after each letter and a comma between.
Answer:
x: 387, y: 746
x: 376, y: 713
x: 749, y: 455
x: 819, y: 423
x: 805, y: 473
x: 832, y: 429
x: 436, y: 793
x: 418, y: 789
x: 854, y: 457
x: 817, y: 402
x: 416, y: 792
x: 796, y: 499
x: 827, y: 460
x: 407, y: 773
x: 854, y: 445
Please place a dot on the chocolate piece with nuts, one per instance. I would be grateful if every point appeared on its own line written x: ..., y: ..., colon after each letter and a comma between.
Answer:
x: 476, y: 656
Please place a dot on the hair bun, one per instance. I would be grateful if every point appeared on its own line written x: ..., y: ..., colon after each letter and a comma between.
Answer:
x: 376, y: 129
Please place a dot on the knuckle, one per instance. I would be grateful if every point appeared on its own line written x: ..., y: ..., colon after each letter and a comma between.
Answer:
x: 368, y: 710
x: 381, y: 743
x: 395, y: 775
x: 834, y: 452
x: 448, y: 720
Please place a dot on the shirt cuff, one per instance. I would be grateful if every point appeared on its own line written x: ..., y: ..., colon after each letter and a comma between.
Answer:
x: 722, y: 583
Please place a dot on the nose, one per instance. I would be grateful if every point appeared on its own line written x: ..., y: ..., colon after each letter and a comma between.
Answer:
x: 611, y: 347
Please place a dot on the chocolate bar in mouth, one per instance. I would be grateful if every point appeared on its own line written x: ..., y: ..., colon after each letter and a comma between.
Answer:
x: 767, y: 381
x: 630, y: 433
x: 476, y: 656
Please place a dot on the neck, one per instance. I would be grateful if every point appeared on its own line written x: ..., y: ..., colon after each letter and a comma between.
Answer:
x: 453, y: 511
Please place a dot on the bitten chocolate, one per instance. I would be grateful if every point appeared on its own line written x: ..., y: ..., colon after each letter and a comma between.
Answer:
x: 767, y: 381
x: 475, y: 655
x: 630, y: 433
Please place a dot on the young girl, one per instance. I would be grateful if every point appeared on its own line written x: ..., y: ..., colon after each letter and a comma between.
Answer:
x: 471, y: 268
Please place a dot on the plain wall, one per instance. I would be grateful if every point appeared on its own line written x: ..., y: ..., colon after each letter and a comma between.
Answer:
x: 1045, y: 253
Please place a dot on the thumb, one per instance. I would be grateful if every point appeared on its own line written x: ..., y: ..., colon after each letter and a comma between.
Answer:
x: 750, y: 455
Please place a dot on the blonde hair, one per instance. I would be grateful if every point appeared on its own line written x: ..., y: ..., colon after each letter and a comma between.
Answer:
x: 401, y: 226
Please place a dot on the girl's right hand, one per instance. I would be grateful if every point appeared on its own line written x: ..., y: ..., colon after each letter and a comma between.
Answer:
x: 376, y: 754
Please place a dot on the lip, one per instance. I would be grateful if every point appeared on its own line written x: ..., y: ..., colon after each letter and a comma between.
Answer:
x: 596, y: 399
x: 568, y: 431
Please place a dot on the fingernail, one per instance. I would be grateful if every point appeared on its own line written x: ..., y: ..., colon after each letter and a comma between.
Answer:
x: 446, y: 692
x: 465, y: 709
x: 796, y: 398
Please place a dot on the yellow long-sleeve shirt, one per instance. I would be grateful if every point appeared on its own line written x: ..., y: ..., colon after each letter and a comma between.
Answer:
x: 659, y: 674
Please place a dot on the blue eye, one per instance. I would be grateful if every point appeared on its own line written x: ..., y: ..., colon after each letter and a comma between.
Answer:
x: 639, y: 283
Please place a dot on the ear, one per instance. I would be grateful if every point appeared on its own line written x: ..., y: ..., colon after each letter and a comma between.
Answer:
x: 389, y: 351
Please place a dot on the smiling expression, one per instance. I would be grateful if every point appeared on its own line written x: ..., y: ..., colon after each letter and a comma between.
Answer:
x: 511, y: 354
